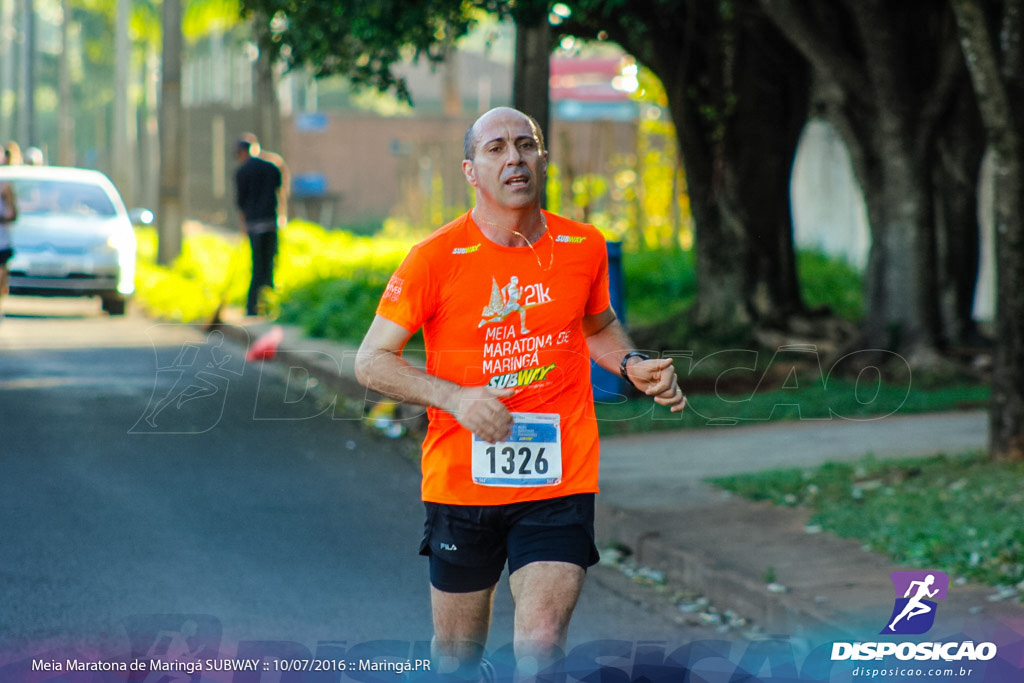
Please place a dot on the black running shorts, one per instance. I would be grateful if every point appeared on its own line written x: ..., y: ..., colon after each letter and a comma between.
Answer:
x: 468, y: 546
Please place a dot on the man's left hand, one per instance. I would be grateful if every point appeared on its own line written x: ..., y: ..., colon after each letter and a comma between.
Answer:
x: 657, y: 378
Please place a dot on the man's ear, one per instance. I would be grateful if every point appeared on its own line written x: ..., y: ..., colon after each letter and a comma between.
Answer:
x: 469, y: 171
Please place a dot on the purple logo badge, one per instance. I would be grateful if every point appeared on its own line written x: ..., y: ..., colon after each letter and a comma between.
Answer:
x: 916, y: 592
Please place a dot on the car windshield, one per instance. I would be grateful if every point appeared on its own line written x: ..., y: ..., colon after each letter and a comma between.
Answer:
x: 37, y: 196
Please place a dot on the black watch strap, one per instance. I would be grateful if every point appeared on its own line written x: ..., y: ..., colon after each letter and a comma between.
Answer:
x: 625, y: 360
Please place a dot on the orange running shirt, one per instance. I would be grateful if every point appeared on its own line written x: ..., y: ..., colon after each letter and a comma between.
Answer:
x: 499, y: 316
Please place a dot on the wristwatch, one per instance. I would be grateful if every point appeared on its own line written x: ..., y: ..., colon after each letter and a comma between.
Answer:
x: 625, y: 360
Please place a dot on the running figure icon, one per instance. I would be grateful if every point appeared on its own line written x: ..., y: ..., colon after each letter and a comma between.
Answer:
x: 503, y: 303
x: 915, y: 606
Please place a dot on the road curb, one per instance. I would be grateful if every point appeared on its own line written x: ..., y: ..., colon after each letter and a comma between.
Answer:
x: 330, y: 363
x: 726, y: 588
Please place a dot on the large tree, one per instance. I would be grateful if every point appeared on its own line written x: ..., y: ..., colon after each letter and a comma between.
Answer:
x: 992, y: 37
x: 738, y: 94
x: 892, y: 80
x: 360, y: 40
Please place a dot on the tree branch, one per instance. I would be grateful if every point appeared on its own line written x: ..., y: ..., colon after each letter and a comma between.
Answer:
x: 983, y: 63
x: 795, y: 22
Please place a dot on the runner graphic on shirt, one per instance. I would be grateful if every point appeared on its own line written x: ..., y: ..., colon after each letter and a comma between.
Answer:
x: 504, y: 302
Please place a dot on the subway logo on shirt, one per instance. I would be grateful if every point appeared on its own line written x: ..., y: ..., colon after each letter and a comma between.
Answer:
x: 523, y: 378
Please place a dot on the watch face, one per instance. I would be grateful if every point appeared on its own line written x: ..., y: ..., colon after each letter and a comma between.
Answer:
x: 625, y: 361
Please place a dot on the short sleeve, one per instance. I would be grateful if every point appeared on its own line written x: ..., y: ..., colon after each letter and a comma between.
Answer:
x: 600, y: 295
x: 407, y: 299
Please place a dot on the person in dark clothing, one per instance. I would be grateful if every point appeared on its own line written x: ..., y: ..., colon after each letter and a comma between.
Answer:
x: 257, y: 183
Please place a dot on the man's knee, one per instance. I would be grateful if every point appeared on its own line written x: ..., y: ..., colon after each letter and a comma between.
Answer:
x: 545, y: 595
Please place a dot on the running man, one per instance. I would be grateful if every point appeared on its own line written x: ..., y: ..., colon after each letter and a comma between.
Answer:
x: 509, y: 474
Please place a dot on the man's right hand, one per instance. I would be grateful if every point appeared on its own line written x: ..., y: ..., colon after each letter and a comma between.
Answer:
x: 481, y: 411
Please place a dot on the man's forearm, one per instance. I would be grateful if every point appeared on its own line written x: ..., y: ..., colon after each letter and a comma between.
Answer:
x: 608, y: 345
x: 391, y: 375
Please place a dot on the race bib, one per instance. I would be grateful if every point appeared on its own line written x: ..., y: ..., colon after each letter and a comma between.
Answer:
x: 532, y: 455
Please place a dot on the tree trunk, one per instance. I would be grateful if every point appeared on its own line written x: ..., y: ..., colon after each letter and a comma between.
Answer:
x: 955, y: 174
x: 897, y: 283
x: 994, y: 60
x: 1006, y: 413
x: 268, y: 111
x: 772, y: 106
x: 721, y: 299
x: 737, y: 93
x: 890, y: 70
x: 738, y: 167
x: 531, y: 75
x: 27, y: 87
x: 171, y: 210
x: 8, y: 64
x: 901, y: 309
x: 65, y: 114
x: 121, y: 152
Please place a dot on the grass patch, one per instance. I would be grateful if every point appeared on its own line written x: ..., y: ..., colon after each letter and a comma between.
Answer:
x: 952, y: 513
x: 662, y: 283
x: 658, y: 284
x: 761, y: 402
x: 830, y: 282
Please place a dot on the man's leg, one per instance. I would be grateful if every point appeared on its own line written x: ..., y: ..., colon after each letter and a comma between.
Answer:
x: 545, y: 595
x: 254, y: 282
x: 264, y: 248
x: 461, y: 623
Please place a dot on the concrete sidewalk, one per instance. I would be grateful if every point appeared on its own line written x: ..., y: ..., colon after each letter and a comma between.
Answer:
x: 654, y: 501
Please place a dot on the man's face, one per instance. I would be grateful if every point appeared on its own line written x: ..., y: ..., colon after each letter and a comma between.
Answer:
x: 508, y: 166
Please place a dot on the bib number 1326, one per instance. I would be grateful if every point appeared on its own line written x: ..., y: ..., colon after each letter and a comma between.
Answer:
x: 532, y: 455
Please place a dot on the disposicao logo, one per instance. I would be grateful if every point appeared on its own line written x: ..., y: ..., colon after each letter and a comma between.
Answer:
x: 913, y: 613
x: 916, y: 593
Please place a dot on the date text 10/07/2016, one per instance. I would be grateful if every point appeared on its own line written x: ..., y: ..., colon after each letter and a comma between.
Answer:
x: 383, y: 665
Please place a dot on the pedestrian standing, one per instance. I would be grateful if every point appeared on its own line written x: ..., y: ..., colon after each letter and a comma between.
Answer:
x: 257, y: 183
x: 256, y: 149
x: 510, y: 459
x: 8, y: 214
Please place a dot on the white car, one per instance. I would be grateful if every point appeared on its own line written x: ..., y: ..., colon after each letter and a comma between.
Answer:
x: 73, y: 236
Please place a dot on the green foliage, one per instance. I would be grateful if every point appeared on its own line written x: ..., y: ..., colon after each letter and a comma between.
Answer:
x: 949, y: 512
x: 831, y: 282
x: 658, y: 284
x: 754, y: 403
x: 336, y: 308
x: 664, y: 220
x: 318, y: 274
x: 362, y: 40
x: 190, y: 289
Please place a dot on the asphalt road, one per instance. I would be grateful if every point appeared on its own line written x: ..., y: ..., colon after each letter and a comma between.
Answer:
x: 155, y: 487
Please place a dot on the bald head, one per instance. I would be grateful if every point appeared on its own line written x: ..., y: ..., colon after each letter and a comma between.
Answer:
x: 472, y: 138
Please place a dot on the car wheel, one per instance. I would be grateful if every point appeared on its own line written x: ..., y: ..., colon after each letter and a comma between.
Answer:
x: 114, y: 305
